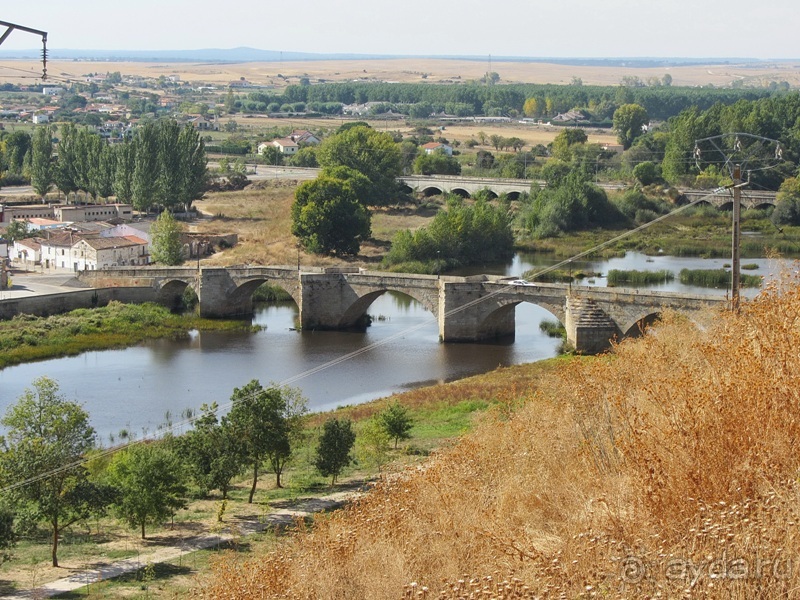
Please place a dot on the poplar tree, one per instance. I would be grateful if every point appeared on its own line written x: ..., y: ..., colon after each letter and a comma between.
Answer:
x: 144, y: 184
x: 42, y: 161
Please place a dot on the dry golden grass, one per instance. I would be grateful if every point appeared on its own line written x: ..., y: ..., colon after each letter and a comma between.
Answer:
x: 666, y: 469
x: 411, y: 70
x: 261, y: 216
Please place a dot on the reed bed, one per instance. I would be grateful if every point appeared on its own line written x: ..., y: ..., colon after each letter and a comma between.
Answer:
x: 637, y: 278
x: 715, y: 278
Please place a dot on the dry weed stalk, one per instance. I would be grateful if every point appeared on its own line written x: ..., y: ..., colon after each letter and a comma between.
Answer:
x: 666, y: 469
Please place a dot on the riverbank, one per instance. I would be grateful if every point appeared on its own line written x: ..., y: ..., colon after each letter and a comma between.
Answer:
x: 441, y: 414
x: 26, y: 338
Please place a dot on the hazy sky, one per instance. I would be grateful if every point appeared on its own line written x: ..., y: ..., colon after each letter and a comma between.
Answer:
x: 559, y: 28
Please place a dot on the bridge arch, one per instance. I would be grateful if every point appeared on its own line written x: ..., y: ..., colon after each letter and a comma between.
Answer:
x: 356, y: 311
x: 493, y: 324
x: 513, y: 195
x: 170, y: 292
x: 460, y: 192
x: 245, y: 290
x: 638, y: 327
x: 405, y: 188
x: 432, y: 191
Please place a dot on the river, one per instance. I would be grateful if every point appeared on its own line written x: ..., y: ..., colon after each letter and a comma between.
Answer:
x: 134, y: 388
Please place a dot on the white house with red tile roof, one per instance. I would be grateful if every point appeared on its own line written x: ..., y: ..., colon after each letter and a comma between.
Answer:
x: 432, y: 147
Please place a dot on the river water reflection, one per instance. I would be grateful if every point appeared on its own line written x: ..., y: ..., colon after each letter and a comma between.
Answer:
x: 133, y: 388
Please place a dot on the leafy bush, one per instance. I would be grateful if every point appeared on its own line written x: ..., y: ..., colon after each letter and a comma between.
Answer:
x: 458, y: 236
x: 570, y: 205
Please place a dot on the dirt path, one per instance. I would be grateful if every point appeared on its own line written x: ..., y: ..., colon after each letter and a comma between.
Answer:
x: 283, y: 515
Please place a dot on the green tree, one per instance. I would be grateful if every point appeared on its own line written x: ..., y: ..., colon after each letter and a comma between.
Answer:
x: 18, y: 145
x: 327, y: 216
x: 65, y: 172
x: 438, y: 162
x: 373, y: 444
x: 305, y: 157
x: 124, y: 156
x: 194, y: 166
x: 372, y: 153
x: 18, y: 230
x: 646, y: 172
x: 628, y: 122
x: 7, y: 535
x: 266, y: 421
x: 396, y: 422
x: 562, y: 148
x: 333, y: 451
x: 150, y: 484
x: 787, y: 207
x: 165, y: 234
x: 171, y: 174
x: 272, y: 155
x: 213, y: 451
x: 42, y: 161
x: 144, y: 182
x: 47, y: 437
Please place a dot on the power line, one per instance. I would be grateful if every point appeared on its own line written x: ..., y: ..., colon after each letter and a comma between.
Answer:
x: 346, y: 357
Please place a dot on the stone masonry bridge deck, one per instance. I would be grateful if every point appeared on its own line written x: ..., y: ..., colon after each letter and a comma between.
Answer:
x: 467, y: 309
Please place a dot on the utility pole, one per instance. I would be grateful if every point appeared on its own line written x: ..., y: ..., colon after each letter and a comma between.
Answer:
x: 737, y: 150
x: 736, y: 237
x: 12, y: 26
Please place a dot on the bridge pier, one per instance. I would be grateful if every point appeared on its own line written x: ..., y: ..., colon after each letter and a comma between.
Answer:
x: 324, y: 302
x: 589, y: 329
x: 481, y: 321
x: 218, y: 297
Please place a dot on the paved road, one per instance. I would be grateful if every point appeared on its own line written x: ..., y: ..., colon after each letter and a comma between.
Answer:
x: 30, y: 283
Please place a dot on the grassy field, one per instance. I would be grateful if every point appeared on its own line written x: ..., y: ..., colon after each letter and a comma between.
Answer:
x: 411, y: 70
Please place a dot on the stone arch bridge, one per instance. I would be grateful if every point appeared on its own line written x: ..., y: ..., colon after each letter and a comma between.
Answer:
x: 467, y: 309
x: 430, y: 185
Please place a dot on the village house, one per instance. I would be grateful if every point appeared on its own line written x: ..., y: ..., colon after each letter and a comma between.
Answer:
x: 202, y: 124
x: 303, y: 136
x: 432, y: 147
x: 27, y: 252
x: 287, y: 146
x: 56, y: 249
x: 91, y: 254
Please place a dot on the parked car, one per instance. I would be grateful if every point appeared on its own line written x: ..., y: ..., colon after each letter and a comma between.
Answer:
x: 520, y: 282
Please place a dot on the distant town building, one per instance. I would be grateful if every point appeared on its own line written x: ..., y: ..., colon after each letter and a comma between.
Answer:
x: 287, y: 146
x: 432, y: 147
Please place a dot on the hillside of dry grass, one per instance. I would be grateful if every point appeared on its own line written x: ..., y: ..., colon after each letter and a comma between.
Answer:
x: 665, y: 469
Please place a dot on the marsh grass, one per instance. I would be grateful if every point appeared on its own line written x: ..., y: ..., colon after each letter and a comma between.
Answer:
x: 633, y: 277
x: 716, y: 278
